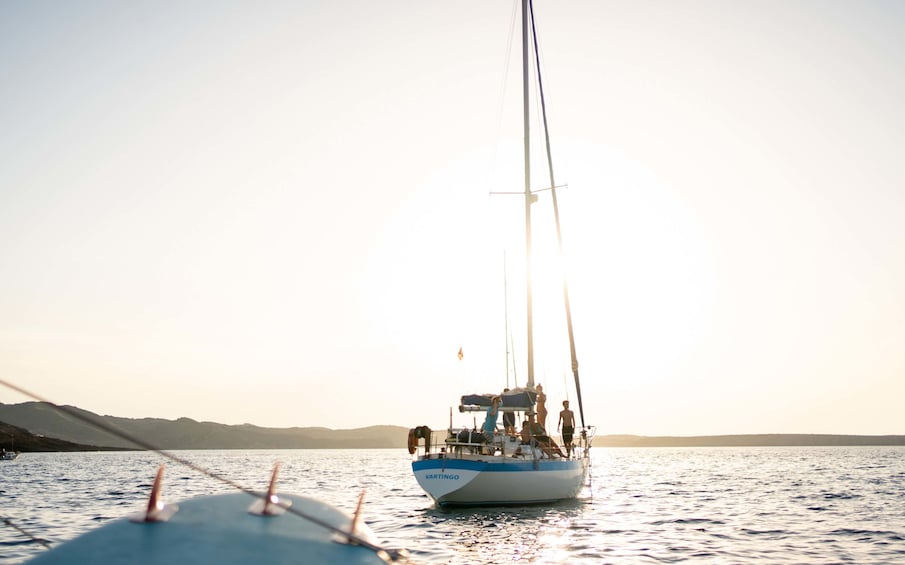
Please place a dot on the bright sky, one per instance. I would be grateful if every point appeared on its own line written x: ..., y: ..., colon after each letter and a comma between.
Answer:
x: 278, y: 212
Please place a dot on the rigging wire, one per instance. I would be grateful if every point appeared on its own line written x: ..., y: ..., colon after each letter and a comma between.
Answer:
x: 501, y: 101
x: 9, y: 522
x: 393, y: 554
x: 510, y: 340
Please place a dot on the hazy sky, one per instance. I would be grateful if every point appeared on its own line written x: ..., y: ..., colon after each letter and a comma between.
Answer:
x: 278, y: 212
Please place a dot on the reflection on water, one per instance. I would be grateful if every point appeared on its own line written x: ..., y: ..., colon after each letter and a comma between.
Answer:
x: 655, y: 504
x: 546, y: 534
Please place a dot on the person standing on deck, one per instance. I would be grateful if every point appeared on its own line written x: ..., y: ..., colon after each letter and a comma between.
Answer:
x: 567, y: 420
x: 490, y: 419
x: 509, y: 419
x: 541, y: 406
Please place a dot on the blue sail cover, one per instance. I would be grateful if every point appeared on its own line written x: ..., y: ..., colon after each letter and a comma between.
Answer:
x: 518, y: 399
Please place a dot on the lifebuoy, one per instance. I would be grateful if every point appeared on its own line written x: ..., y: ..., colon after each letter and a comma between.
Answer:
x: 413, y: 442
x: 420, y: 432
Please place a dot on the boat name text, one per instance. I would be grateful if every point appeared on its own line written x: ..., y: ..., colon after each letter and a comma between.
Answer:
x: 442, y: 476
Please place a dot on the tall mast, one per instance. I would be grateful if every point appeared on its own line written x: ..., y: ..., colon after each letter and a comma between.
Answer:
x: 565, y: 283
x: 528, y: 196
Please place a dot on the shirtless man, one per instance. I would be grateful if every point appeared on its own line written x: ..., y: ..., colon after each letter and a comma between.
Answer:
x: 525, y: 433
x: 567, y: 421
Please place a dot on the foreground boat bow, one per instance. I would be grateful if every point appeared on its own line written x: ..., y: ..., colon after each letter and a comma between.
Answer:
x: 228, y: 528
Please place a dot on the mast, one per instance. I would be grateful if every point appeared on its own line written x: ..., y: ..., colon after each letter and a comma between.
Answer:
x: 528, y: 195
x: 565, y: 282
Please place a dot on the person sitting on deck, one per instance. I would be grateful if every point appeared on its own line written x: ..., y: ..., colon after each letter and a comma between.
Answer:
x: 526, y: 438
x: 525, y: 433
x: 538, y: 435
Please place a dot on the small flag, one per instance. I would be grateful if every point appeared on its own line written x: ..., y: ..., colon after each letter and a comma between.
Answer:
x: 461, y: 355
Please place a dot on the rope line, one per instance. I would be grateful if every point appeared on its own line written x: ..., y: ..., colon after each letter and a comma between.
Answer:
x: 9, y: 522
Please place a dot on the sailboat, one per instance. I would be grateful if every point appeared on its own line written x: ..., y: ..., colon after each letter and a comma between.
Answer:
x: 494, y: 467
x: 12, y: 453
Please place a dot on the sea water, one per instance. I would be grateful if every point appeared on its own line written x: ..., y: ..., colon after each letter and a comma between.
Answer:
x: 707, y: 505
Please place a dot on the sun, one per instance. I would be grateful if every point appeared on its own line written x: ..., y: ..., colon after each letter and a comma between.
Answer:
x: 447, y: 270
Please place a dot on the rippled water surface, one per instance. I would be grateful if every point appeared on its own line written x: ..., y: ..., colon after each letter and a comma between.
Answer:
x: 789, y: 504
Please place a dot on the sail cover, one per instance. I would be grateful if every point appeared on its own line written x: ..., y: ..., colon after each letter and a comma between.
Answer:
x: 514, y: 400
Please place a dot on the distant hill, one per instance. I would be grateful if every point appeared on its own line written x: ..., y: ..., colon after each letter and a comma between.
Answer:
x: 185, y: 433
x: 753, y: 440
x: 14, y: 438
x: 44, y: 420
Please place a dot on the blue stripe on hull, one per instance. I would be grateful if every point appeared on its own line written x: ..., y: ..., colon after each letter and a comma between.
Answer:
x: 508, y: 466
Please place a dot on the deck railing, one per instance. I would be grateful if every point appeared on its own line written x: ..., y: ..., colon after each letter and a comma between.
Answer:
x: 447, y: 443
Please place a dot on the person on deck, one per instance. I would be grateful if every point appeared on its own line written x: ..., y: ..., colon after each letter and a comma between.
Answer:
x: 567, y: 420
x: 525, y: 433
x: 541, y: 406
x: 539, y: 435
x: 509, y: 420
x: 490, y: 419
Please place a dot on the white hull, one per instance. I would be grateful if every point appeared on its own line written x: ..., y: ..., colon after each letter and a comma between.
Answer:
x: 492, y: 480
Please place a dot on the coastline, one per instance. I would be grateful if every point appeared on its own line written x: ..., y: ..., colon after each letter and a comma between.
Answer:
x: 749, y: 440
